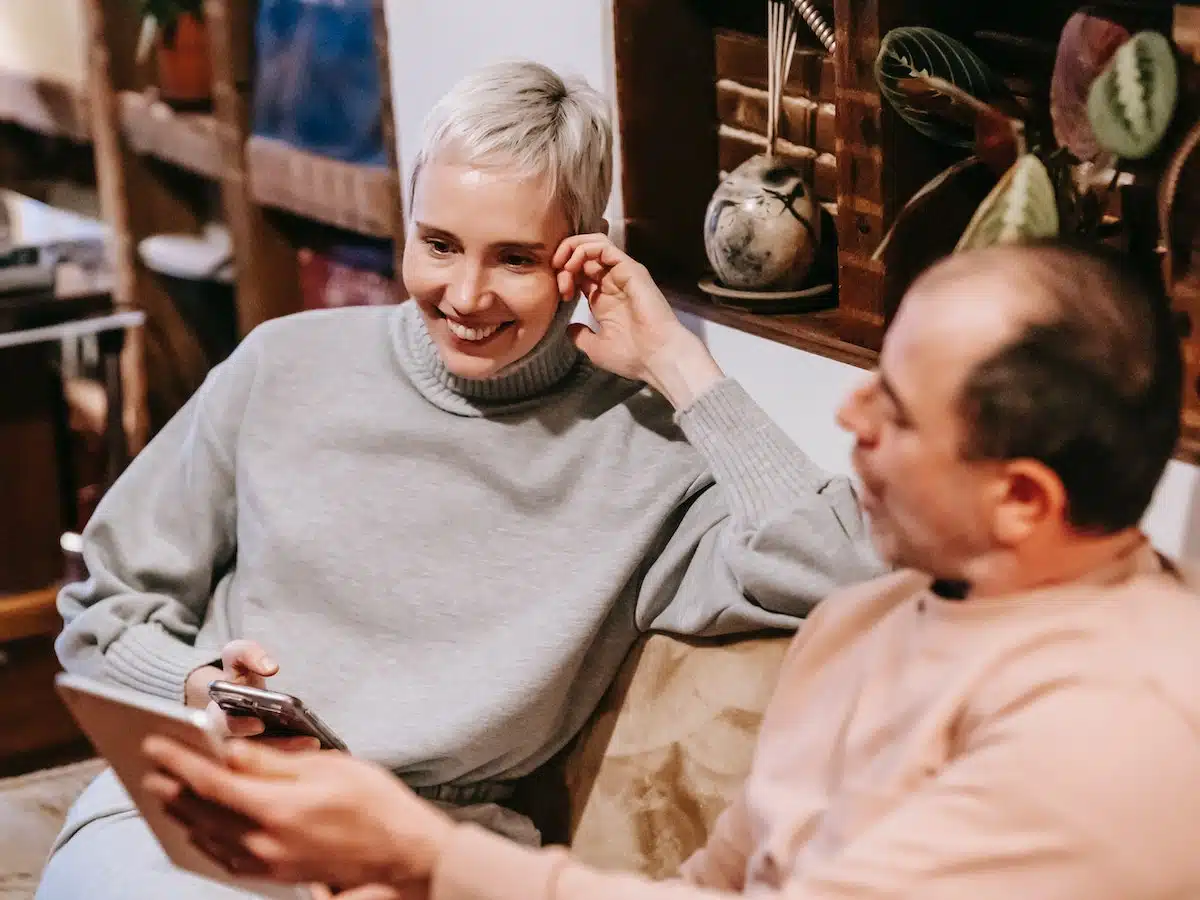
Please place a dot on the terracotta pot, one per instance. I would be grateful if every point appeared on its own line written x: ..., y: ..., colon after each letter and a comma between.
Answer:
x: 184, y: 65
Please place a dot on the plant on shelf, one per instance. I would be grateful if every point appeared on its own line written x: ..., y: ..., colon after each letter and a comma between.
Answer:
x: 1055, y: 160
x: 175, y: 30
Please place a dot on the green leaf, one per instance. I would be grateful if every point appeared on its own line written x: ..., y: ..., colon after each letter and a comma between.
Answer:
x: 908, y: 57
x: 1022, y: 207
x: 1131, y: 103
x: 1086, y: 45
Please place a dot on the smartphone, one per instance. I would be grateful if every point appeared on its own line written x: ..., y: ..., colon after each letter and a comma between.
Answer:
x: 283, y: 714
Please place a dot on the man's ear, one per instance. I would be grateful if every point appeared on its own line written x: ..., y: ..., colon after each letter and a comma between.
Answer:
x: 1034, y: 496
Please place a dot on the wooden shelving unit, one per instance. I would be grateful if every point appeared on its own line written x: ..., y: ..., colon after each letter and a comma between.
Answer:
x: 45, y: 136
x: 691, y: 77
x: 355, y: 198
x: 160, y: 171
x: 187, y: 140
x: 43, y: 105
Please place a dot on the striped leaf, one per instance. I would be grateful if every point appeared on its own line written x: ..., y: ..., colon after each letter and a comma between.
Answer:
x: 1087, y: 43
x: 1131, y: 104
x: 1022, y: 207
x: 909, y: 57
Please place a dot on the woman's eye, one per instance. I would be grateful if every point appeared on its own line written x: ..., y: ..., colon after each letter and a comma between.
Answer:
x: 437, y: 246
x: 518, y: 261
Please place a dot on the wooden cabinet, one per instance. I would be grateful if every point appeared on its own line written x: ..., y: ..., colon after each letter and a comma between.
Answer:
x: 35, y: 728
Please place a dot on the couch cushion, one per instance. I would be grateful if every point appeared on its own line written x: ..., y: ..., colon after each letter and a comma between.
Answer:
x: 32, y: 809
x: 669, y: 746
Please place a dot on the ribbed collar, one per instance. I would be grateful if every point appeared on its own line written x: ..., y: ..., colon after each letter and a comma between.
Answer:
x: 523, y: 383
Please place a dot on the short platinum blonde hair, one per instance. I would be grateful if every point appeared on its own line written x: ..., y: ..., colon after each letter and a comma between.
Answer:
x: 525, y: 116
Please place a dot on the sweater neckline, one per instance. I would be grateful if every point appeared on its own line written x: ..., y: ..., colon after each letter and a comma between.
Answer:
x: 526, y: 382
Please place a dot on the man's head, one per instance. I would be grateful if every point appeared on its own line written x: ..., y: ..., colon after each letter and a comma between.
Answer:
x: 512, y: 160
x: 1026, y: 403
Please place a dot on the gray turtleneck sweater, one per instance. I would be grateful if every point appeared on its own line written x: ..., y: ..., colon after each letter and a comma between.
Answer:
x: 449, y: 572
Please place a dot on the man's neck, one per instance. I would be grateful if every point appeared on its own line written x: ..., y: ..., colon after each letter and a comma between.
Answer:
x: 1051, y: 563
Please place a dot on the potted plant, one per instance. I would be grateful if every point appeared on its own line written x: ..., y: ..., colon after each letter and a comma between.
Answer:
x: 176, y: 32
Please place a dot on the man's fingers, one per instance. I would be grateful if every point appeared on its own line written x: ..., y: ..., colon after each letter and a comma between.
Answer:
x: 208, y: 779
x: 292, y: 743
x: 372, y: 892
x: 258, y: 758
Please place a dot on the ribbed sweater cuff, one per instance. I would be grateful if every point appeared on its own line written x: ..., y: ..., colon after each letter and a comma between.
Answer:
x: 757, y: 465
x: 479, y: 865
x: 148, y: 659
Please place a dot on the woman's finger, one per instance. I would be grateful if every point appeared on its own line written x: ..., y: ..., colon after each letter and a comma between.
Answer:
x: 243, y: 726
x: 243, y: 657
x: 566, y: 284
x: 601, y: 250
x: 594, y: 269
x: 567, y: 247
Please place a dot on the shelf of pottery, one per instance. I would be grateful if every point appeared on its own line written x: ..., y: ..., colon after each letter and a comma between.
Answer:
x: 833, y: 149
x: 246, y: 160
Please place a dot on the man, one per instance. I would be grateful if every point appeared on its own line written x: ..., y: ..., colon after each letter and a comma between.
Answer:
x: 1016, y: 713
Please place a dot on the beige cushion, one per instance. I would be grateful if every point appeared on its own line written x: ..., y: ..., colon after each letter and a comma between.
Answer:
x: 32, y: 809
x: 671, y: 743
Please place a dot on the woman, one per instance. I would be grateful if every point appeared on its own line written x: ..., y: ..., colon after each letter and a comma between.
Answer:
x: 446, y: 523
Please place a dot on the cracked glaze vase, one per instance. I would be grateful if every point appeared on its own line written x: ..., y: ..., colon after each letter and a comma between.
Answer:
x: 762, y: 228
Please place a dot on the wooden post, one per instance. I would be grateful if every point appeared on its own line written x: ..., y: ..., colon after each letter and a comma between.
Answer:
x: 387, y: 113
x: 268, y: 273
x: 163, y: 363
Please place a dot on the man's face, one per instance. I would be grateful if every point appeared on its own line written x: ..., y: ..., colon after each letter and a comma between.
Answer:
x: 929, y: 508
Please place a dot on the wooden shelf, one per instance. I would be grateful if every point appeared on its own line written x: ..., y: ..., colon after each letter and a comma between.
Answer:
x: 29, y: 615
x: 48, y: 107
x: 186, y: 140
x: 353, y: 197
x: 838, y: 334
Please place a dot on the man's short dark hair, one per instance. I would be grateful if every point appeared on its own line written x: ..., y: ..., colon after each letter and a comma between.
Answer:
x: 1092, y: 390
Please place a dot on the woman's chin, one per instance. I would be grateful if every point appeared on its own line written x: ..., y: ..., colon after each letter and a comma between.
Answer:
x: 467, y: 365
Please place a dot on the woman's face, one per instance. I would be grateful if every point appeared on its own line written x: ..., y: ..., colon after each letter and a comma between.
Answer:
x: 477, y: 262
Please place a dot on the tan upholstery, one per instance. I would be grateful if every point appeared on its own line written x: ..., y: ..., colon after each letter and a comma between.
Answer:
x: 670, y: 744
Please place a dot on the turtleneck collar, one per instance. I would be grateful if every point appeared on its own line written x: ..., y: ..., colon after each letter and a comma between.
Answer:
x: 515, y: 387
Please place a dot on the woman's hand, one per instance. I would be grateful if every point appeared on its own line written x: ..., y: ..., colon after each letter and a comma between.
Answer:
x: 639, y: 335
x: 242, y: 662
x: 300, y: 817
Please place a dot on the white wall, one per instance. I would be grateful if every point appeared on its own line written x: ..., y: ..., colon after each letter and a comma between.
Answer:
x: 434, y: 42
x: 44, y: 38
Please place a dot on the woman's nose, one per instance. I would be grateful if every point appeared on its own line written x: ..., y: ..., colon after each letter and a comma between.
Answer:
x: 470, y: 292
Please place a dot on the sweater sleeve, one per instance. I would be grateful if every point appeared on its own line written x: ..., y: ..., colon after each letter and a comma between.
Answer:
x: 1031, y: 808
x: 763, y: 540
x: 157, y: 541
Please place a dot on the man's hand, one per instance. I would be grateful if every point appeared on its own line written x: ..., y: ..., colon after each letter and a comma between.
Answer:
x: 319, y: 817
x: 242, y: 662
x: 639, y: 335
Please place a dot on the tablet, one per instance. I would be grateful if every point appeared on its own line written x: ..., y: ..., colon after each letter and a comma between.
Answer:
x: 118, y: 720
